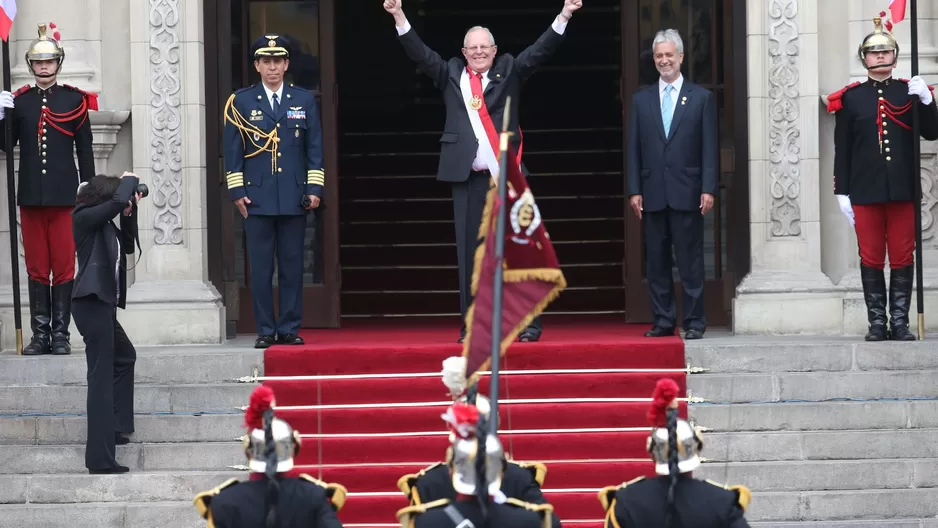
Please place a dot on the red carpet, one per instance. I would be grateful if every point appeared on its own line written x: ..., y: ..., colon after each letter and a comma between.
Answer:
x: 369, y: 407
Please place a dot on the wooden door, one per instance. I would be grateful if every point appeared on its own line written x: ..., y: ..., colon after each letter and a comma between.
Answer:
x: 312, y: 66
x: 709, y: 31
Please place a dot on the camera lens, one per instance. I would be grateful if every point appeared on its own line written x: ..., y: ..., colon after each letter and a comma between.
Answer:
x: 143, y: 190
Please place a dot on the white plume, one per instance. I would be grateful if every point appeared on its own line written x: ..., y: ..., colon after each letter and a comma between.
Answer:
x: 454, y: 375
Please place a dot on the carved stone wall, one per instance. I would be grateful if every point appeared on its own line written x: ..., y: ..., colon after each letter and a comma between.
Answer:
x: 166, y: 121
x: 785, y: 110
x: 929, y: 195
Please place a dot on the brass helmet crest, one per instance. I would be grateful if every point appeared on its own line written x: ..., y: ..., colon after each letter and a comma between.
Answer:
x: 46, y: 47
x: 881, y: 39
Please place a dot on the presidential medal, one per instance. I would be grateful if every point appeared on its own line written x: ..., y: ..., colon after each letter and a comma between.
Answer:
x: 475, y: 103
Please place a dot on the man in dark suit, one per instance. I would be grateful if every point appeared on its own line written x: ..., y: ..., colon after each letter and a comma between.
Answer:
x: 673, y: 172
x: 274, y: 170
x: 475, y: 91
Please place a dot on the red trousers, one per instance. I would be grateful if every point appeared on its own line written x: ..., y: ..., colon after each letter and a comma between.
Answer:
x: 886, y: 226
x: 48, y: 244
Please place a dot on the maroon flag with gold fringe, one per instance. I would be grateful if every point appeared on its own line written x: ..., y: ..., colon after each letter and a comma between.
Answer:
x: 531, y: 273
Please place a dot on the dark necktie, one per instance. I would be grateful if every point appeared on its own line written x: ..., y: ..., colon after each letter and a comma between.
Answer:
x: 276, y: 105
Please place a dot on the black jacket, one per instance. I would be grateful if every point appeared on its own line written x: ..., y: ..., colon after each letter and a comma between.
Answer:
x: 96, y: 244
x: 458, y: 144
x: 47, y: 172
x: 864, y: 170
x: 642, y: 503
x: 300, y: 503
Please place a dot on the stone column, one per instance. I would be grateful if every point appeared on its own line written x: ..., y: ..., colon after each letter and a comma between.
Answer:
x: 171, y: 300
x: 786, y: 291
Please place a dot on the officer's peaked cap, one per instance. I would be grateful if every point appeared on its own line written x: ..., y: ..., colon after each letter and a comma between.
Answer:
x: 271, y: 45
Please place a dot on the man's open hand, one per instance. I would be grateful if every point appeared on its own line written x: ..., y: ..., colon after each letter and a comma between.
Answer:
x: 241, y: 204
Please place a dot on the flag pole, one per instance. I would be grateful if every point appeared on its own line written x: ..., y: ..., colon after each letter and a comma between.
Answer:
x: 499, y: 268
x: 917, y: 165
x: 11, y: 203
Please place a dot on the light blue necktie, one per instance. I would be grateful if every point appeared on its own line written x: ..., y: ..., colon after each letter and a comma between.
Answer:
x: 667, y: 109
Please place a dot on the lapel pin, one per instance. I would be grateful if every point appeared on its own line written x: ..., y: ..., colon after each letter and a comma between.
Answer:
x: 498, y: 75
x: 684, y: 100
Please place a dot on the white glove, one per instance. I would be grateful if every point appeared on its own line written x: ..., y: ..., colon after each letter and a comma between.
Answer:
x: 6, y: 101
x: 844, y: 201
x: 918, y: 87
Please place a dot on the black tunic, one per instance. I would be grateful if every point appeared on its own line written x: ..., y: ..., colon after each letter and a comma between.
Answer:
x: 642, y: 503
x: 871, y: 167
x: 512, y: 514
x: 47, y: 172
x: 302, y: 503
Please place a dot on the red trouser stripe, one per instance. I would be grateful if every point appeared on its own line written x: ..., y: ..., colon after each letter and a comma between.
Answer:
x: 48, y: 244
x: 886, y: 227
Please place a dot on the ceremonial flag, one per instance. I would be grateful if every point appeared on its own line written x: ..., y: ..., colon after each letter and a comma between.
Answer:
x: 531, y: 273
x: 7, y: 14
x: 896, y: 10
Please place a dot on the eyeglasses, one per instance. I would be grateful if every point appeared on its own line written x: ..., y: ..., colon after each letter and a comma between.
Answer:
x: 479, y: 48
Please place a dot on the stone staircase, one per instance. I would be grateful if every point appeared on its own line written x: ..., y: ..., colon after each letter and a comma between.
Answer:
x: 828, y: 433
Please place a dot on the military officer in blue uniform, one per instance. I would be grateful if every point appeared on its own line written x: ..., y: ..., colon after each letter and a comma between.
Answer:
x: 274, y: 171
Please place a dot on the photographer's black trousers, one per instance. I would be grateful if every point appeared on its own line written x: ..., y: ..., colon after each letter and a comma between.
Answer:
x: 111, y: 357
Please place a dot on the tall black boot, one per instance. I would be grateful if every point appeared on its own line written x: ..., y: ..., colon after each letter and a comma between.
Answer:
x: 874, y: 293
x: 61, y: 317
x: 40, y: 309
x: 900, y: 301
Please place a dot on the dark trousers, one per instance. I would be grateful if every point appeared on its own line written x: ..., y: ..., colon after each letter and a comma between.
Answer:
x: 468, y: 206
x: 283, y: 236
x: 683, y: 230
x: 111, y: 357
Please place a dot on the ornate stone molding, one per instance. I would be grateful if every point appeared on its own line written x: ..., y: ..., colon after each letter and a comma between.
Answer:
x: 106, y: 125
x: 929, y: 196
x: 784, y: 112
x: 166, y: 120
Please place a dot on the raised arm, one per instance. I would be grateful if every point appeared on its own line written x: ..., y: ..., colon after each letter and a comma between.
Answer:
x: 428, y: 61
x: 535, y: 55
x: 98, y: 215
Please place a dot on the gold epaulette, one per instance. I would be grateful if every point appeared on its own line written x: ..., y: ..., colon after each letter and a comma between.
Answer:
x: 336, y: 492
x: 607, y: 495
x: 546, y: 511
x: 408, y: 515
x: 743, y: 495
x: 203, y: 501
x: 407, y: 483
x: 539, y: 470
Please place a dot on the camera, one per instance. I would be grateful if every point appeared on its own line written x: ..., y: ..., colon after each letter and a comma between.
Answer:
x: 142, y: 190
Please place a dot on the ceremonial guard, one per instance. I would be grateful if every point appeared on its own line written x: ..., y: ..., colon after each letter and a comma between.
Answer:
x: 520, y: 480
x: 274, y: 171
x: 479, y: 500
x: 269, y: 497
x: 874, y: 177
x: 674, y: 498
x: 51, y: 126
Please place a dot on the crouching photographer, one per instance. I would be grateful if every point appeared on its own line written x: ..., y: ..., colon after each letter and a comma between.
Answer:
x: 100, y: 288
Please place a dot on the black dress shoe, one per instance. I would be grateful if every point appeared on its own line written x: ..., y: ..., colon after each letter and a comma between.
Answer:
x: 291, y: 339
x: 110, y: 470
x: 529, y: 336
x: 693, y: 333
x: 264, y: 341
x: 658, y: 331
x: 120, y: 439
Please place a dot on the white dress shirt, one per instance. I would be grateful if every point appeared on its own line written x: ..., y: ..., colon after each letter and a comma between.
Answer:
x: 677, y: 84
x: 270, y: 94
x: 485, y: 156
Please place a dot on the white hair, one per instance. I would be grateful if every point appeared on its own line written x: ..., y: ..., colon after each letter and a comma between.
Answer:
x: 478, y: 28
x: 668, y: 35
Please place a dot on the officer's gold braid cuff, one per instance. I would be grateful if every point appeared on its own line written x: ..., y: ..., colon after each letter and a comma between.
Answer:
x: 235, y: 179
x: 316, y: 177
x: 249, y: 131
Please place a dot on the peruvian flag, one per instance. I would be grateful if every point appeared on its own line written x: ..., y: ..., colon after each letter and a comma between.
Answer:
x: 7, y: 14
x: 531, y: 273
x: 896, y: 10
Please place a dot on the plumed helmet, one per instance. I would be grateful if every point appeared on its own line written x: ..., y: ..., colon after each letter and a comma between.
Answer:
x: 466, y: 478
x: 45, y: 47
x: 266, y: 430
x: 664, y: 419
x: 881, y: 39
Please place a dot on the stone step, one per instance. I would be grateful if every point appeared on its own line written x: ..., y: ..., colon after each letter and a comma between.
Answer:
x: 812, y: 386
x: 189, y: 456
x: 189, y: 364
x: 148, y: 398
x: 177, y: 514
x: 819, y: 475
x: 158, y: 428
x: 762, y: 354
x: 820, y: 445
x: 786, y: 506
x: 817, y: 416
x: 880, y: 523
